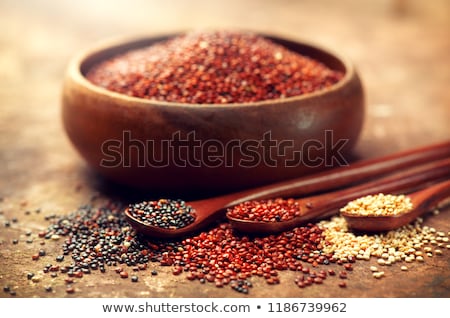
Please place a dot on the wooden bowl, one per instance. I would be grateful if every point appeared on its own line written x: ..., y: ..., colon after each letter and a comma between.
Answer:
x: 185, y: 148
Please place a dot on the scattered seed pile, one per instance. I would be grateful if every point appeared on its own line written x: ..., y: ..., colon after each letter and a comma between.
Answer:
x: 221, y: 256
x: 168, y: 214
x: 214, y: 68
x: 275, y: 210
x: 379, y: 205
x: 98, y: 238
x: 407, y: 244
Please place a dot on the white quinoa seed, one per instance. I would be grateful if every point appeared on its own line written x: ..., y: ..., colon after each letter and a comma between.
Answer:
x: 36, y: 279
x: 378, y: 275
x: 379, y: 205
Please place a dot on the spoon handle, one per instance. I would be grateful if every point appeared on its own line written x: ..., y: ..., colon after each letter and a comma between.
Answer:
x: 432, y: 196
x: 356, y: 173
x: 404, y: 181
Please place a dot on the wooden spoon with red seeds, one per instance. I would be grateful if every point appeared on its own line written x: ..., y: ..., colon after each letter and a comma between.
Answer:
x: 324, y: 205
x: 427, y: 160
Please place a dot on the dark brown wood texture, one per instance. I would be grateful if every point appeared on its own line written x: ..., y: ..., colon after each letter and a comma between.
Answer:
x: 401, y: 52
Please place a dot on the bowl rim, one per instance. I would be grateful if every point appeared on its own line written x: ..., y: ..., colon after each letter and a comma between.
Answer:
x: 75, y: 64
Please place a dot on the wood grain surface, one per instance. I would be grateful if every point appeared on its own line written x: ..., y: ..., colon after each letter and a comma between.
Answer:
x: 400, y: 48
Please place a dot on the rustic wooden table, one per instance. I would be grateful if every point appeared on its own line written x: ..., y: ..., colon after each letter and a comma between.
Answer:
x: 401, y: 49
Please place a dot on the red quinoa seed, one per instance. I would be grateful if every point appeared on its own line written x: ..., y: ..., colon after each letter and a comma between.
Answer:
x: 275, y: 210
x: 342, y: 284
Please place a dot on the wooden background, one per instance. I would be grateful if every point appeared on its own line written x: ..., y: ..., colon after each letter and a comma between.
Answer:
x: 400, y: 48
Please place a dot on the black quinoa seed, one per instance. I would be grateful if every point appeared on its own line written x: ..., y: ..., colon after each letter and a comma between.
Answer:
x: 134, y: 279
x: 164, y: 213
x: 96, y: 237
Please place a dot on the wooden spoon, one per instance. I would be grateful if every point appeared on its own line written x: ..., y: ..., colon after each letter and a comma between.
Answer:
x: 211, y: 209
x: 423, y: 201
x: 324, y: 205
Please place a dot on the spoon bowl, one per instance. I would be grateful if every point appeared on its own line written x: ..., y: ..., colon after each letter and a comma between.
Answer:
x: 206, y: 211
x: 423, y: 201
